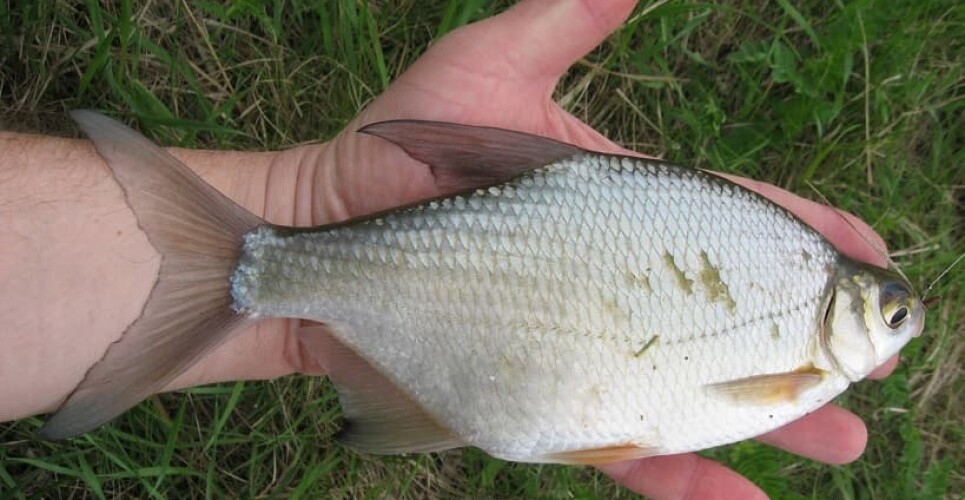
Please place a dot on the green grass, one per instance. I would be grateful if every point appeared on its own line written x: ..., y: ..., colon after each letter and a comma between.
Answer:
x: 859, y: 102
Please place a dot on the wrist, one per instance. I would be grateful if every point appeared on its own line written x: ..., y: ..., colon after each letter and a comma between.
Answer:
x: 76, y: 269
x: 261, y: 182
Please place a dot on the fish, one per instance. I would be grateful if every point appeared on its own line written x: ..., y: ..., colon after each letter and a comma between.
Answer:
x: 559, y: 306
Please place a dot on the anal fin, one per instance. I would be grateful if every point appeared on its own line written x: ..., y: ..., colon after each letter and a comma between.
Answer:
x: 379, y: 416
x: 771, y: 388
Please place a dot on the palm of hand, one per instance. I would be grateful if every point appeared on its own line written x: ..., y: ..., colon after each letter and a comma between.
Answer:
x: 477, y: 75
x: 466, y: 78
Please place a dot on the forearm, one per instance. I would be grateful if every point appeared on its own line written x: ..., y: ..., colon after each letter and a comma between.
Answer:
x: 75, y: 269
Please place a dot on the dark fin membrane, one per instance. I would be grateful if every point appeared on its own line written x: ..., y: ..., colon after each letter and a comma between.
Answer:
x: 199, y: 233
x: 464, y: 157
x: 379, y: 416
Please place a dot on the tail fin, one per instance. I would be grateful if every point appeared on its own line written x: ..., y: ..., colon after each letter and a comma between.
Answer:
x: 199, y: 233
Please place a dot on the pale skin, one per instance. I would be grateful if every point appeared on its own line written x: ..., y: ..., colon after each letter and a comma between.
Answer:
x: 75, y: 269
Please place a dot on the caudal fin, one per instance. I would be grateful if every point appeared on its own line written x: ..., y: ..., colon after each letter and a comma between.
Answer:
x: 199, y: 233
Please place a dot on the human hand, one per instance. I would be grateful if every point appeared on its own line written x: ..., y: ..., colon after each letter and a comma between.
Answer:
x: 501, y: 72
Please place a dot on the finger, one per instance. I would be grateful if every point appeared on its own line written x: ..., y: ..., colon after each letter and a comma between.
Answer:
x: 849, y: 234
x: 687, y: 476
x: 831, y: 434
x: 545, y: 37
x: 885, y: 369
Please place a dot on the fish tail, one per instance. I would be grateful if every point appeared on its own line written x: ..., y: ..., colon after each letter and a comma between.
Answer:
x: 190, y: 311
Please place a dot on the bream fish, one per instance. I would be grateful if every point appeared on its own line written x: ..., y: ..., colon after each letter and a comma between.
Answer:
x: 565, y: 306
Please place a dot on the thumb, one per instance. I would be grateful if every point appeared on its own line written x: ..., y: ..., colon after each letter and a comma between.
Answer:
x: 545, y: 37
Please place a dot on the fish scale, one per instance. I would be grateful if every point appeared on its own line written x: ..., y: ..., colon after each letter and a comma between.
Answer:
x: 546, y: 262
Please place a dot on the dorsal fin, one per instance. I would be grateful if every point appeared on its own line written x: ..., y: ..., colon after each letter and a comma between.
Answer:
x: 464, y: 157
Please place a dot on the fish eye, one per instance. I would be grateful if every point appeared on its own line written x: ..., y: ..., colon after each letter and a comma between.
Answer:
x: 893, y: 299
x: 898, y: 317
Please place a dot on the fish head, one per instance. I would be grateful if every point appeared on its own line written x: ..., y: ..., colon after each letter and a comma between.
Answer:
x: 871, y: 314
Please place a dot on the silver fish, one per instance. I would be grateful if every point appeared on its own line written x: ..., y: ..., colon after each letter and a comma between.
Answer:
x: 567, y: 306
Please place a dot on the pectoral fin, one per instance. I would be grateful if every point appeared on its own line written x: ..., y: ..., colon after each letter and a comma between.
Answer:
x: 379, y: 416
x: 771, y: 388
x: 602, y: 455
